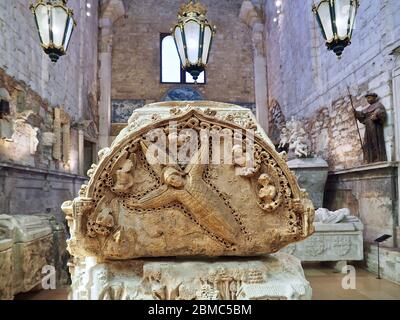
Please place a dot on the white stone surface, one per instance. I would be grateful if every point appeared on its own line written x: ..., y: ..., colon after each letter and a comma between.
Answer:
x: 275, y: 277
x: 389, y: 262
x: 326, y: 216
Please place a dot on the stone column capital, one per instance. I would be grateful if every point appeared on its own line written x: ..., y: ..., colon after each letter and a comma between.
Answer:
x: 250, y: 15
x: 112, y: 10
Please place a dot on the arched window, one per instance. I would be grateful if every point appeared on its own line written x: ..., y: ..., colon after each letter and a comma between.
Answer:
x: 171, y: 71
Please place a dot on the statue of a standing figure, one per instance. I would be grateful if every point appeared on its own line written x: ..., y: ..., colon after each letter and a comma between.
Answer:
x: 373, y: 117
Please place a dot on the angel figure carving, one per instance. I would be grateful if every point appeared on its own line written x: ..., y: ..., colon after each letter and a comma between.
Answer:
x: 188, y: 188
x: 268, y: 190
x: 125, y: 179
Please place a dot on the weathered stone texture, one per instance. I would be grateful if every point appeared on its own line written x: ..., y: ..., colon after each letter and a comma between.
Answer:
x: 31, y: 191
x: 370, y: 193
x: 131, y: 208
x: 389, y: 262
x: 136, y: 52
x: 331, y: 242
x: 36, y: 86
x: 27, y: 244
x: 275, y: 277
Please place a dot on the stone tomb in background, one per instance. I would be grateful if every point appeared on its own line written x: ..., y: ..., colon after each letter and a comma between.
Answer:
x: 137, y: 205
x: 27, y: 245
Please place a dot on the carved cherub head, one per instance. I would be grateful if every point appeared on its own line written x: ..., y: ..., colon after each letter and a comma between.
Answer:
x: 265, y: 179
x: 173, y: 177
x: 127, y: 166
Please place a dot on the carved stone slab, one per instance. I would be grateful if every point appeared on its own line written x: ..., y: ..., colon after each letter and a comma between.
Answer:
x: 331, y: 242
x: 276, y: 277
x: 137, y: 205
x: 26, y: 246
x: 6, y: 269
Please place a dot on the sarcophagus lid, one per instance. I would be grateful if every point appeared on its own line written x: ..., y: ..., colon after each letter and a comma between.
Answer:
x: 189, y: 179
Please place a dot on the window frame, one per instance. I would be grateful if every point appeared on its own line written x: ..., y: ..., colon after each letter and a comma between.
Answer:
x: 183, y: 72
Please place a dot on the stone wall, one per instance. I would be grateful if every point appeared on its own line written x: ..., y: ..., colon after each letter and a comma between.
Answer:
x: 53, y: 107
x: 305, y: 78
x: 40, y: 136
x: 73, y: 79
x: 310, y: 83
x: 389, y: 262
x: 33, y: 191
x: 370, y: 192
x: 136, y: 52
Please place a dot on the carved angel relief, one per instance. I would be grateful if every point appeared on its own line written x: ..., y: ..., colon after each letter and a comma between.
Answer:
x: 202, y: 186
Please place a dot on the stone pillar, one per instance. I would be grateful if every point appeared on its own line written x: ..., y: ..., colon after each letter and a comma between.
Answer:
x: 396, y: 101
x: 81, y: 146
x: 249, y: 15
x: 105, y: 74
x: 110, y: 12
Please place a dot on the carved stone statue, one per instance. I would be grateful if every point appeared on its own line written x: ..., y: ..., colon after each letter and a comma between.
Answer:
x: 294, y: 138
x: 268, y: 191
x: 332, y: 217
x: 373, y: 117
x: 299, y: 146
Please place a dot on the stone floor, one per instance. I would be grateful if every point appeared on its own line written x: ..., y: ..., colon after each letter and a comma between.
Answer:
x: 326, y: 284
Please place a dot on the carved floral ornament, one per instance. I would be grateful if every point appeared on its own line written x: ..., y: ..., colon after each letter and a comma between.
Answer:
x: 168, y: 189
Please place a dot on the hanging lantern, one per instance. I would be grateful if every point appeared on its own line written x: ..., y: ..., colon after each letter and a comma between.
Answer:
x: 55, y: 23
x: 336, y: 19
x: 193, y: 38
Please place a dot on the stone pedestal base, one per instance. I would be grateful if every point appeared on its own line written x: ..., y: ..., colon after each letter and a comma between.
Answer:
x: 274, y: 277
x: 311, y: 174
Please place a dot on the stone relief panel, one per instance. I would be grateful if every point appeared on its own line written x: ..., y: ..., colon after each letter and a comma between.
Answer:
x: 276, y: 277
x: 138, y: 206
x: 331, y: 242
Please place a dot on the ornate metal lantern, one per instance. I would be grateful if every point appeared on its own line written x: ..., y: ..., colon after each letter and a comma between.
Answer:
x: 336, y: 19
x: 55, y: 23
x: 193, y: 37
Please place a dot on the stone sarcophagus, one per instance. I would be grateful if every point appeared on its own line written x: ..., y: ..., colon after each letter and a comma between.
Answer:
x: 188, y: 179
x: 26, y: 246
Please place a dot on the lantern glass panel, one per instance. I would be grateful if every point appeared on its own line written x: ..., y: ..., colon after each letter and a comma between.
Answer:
x: 353, y: 11
x: 59, y: 21
x: 342, y: 10
x: 200, y: 79
x: 42, y: 18
x: 179, y: 44
x: 192, y: 37
x: 206, y: 43
x: 68, y: 34
x: 324, y: 13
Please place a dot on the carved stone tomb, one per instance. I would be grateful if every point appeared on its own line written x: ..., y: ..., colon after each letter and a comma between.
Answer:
x: 189, y: 180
